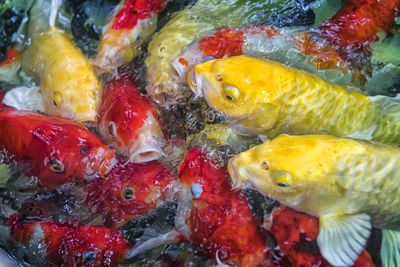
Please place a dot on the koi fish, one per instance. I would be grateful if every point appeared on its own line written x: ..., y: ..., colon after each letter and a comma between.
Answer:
x: 349, y: 184
x: 258, y: 96
x: 54, y: 149
x: 296, y: 235
x: 68, y: 83
x: 132, y: 23
x: 333, y: 50
x: 192, y: 23
x: 66, y: 244
x: 128, y: 122
x: 129, y: 190
x: 213, y: 216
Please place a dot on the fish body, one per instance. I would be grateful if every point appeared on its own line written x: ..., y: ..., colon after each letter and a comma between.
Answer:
x: 128, y: 122
x: 67, y: 80
x: 349, y: 184
x: 132, y: 23
x: 220, y: 222
x: 67, y: 244
x: 129, y: 190
x: 54, y: 149
x: 258, y: 96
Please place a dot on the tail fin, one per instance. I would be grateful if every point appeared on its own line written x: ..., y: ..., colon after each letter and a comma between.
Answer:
x: 390, y: 249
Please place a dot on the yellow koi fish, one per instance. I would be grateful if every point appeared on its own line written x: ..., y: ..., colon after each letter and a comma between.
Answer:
x: 68, y: 83
x: 259, y: 96
x: 349, y: 184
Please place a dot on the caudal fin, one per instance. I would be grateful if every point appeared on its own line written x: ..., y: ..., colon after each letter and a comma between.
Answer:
x: 390, y: 249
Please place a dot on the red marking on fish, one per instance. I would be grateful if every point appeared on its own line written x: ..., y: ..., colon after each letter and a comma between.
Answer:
x: 296, y: 234
x: 229, y: 41
x: 134, y: 10
x: 226, y: 42
x: 11, y: 55
x: 54, y: 149
x: 2, y: 105
x: 183, y: 61
x: 221, y: 221
x: 129, y: 190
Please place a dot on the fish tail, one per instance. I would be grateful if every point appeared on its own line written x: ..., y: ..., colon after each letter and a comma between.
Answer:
x: 390, y: 249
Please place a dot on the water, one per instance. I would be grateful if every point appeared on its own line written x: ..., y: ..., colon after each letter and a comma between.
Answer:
x: 187, y: 124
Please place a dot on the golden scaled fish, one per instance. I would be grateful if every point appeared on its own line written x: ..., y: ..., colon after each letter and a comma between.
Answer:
x: 349, y: 184
x: 258, y: 96
x: 68, y: 83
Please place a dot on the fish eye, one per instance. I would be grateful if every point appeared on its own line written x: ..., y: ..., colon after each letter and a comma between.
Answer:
x: 264, y: 165
x: 283, y: 179
x: 112, y: 129
x: 57, y: 98
x: 231, y: 93
x: 128, y: 193
x: 89, y: 256
x: 56, y: 166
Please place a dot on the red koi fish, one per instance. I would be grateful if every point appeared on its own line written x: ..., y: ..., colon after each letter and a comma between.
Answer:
x: 128, y: 122
x: 213, y: 216
x: 53, y: 149
x: 131, y: 25
x: 129, y: 191
x: 220, y: 222
x: 296, y: 234
x: 67, y: 244
x: 340, y: 44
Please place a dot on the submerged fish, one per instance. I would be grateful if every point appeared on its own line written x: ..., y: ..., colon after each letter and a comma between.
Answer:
x: 54, y: 149
x: 259, y: 96
x: 129, y: 190
x: 64, y: 244
x: 128, y: 121
x: 132, y: 23
x: 349, y: 184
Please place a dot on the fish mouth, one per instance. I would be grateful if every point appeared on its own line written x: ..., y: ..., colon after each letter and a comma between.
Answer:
x: 145, y: 153
x: 239, y: 181
x: 148, y: 145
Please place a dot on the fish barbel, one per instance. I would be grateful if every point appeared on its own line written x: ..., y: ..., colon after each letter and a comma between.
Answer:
x: 349, y: 184
x: 258, y: 96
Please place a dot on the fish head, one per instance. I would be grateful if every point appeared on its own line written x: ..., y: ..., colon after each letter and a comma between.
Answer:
x: 298, y: 171
x: 242, y: 88
x: 128, y: 121
x: 129, y: 190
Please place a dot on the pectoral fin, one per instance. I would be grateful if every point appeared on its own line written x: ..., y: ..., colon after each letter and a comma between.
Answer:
x: 390, y: 249
x: 342, y: 238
